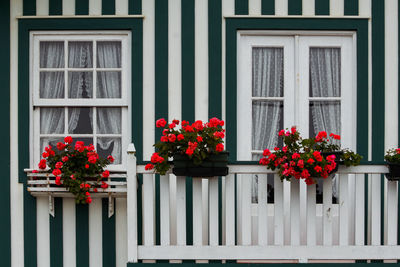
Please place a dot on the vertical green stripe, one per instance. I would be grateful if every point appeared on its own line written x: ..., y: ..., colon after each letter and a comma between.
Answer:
x: 108, y: 7
x: 82, y: 235
x: 55, y: 7
x: 241, y: 7
x: 295, y: 7
x: 135, y: 7
x: 81, y: 7
x: 108, y: 236
x: 5, y: 225
x: 321, y: 7
x: 29, y: 7
x: 351, y: 7
x: 30, y: 245
x: 56, y: 234
x: 268, y: 7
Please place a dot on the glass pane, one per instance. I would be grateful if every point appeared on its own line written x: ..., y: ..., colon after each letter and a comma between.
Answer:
x: 109, y: 54
x: 325, y: 70
x: 109, y: 120
x: 267, y: 75
x: 109, y: 146
x: 109, y: 84
x: 324, y: 116
x: 51, y: 84
x: 52, y: 120
x: 52, y: 141
x: 80, y: 121
x: 80, y: 54
x: 52, y: 54
x: 80, y: 84
x: 267, y: 122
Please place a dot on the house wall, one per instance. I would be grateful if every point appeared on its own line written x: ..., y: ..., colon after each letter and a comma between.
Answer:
x: 183, y: 78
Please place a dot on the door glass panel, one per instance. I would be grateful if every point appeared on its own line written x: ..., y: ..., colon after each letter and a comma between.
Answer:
x: 324, y: 116
x: 80, y: 121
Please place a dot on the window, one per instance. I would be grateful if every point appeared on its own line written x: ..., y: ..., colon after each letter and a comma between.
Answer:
x: 303, y: 79
x: 79, y: 87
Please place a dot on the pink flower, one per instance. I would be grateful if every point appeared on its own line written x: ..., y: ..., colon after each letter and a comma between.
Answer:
x: 180, y: 137
x: 161, y: 123
x: 65, y: 159
x: 56, y: 172
x: 105, y: 174
x: 59, y: 165
x: 281, y: 132
x: 199, y: 139
x: 42, y: 164
x: 149, y: 167
x: 219, y: 147
x: 110, y: 158
x: 266, y: 152
x: 171, y: 138
x: 68, y: 139
x: 58, y: 180
x: 295, y: 156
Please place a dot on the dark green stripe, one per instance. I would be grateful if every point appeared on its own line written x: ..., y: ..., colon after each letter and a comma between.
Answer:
x: 55, y: 7
x: 189, y: 211
x: 188, y: 32
x: 321, y: 7
x: 82, y: 235
x: 268, y: 7
x: 351, y: 7
x: 108, y: 236
x: 82, y: 7
x: 29, y: 7
x: 135, y: 7
x: 30, y: 245
x: 295, y: 7
x: 5, y: 225
x: 108, y: 7
x: 241, y: 7
x: 56, y: 234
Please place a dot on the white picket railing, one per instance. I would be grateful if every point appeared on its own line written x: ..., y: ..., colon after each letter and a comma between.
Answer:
x: 294, y: 227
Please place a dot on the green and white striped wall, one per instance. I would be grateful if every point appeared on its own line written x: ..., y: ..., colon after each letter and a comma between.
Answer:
x: 183, y: 76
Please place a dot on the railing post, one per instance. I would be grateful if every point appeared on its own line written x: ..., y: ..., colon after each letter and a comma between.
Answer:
x: 132, y: 204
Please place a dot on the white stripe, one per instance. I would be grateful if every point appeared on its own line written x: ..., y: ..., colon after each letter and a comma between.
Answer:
x: 43, y: 231
x: 308, y: 7
x: 336, y: 7
x: 94, y: 7
x: 201, y: 60
x: 42, y: 7
x: 197, y: 212
x: 281, y: 7
x: 68, y: 7
x: 69, y: 235
x: 95, y: 234
x: 148, y: 79
x: 121, y: 253
x: 364, y: 7
x: 254, y: 7
x: 121, y: 7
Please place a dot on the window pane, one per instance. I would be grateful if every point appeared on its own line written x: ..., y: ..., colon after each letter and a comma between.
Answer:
x: 80, y: 54
x: 52, y: 54
x: 51, y: 84
x: 267, y: 121
x: 80, y: 121
x: 267, y: 75
x: 324, y: 116
x: 109, y: 120
x: 109, y: 146
x: 52, y: 120
x: 109, y: 54
x: 52, y: 141
x: 109, y: 84
x: 80, y: 84
x: 325, y: 69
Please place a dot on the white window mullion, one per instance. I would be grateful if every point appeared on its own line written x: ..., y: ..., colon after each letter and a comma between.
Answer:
x: 66, y: 70
x: 94, y: 69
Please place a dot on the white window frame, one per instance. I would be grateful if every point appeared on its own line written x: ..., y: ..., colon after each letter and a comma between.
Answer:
x: 124, y: 102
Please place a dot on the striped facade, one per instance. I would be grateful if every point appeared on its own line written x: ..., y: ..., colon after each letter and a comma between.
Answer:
x: 182, y: 76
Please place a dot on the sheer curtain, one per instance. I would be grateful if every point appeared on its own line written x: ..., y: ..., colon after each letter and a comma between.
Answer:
x: 267, y: 81
x: 109, y: 122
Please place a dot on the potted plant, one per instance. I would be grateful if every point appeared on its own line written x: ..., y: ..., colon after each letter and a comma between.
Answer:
x: 78, y: 168
x: 197, y: 149
x: 392, y: 158
x: 307, y: 159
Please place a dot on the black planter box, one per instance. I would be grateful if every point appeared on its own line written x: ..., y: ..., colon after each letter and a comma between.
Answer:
x: 394, y: 172
x: 338, y: 155
x: 214, y: 165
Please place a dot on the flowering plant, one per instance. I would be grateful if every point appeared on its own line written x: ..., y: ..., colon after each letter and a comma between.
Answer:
x: 197, y: 140
x: 393, y: 155
x: 72, y: 166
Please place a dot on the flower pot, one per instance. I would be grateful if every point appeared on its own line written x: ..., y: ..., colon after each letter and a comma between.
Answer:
x: 394, y: 172
x: 338, y: 155
x: 213, y: 165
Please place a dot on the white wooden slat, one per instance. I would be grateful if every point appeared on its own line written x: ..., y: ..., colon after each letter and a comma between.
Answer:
x: 121, y: 241
x: 281, y: 7
x: 308, y: 7
x: 213, y: 210
x: 69, y: 235
x: 131, y: 203
x: 68, y: 7
x: 262, y: 209
x: 336, y: 7
x: 43, y: 231
x: 295, y: 212
x: 165, y: 237
x: 94, y: 7
x: 391, y: 213
x: 95, y: 234
x: 359, y: 210
x: 278, y: 210
x: 344, y: 221
x: 205, y: 217
x: 311, y: 216
x: 254, y: 7
x: 327, y: 212
x: 230, y: 209
x: 121, y: 7
x: 239, y: 214
x: 197, y: 212
x: 181, y: 210
x: 42, y: 7
x: 246, y: 209
x: 148, y: 209
x: 375, y: 209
